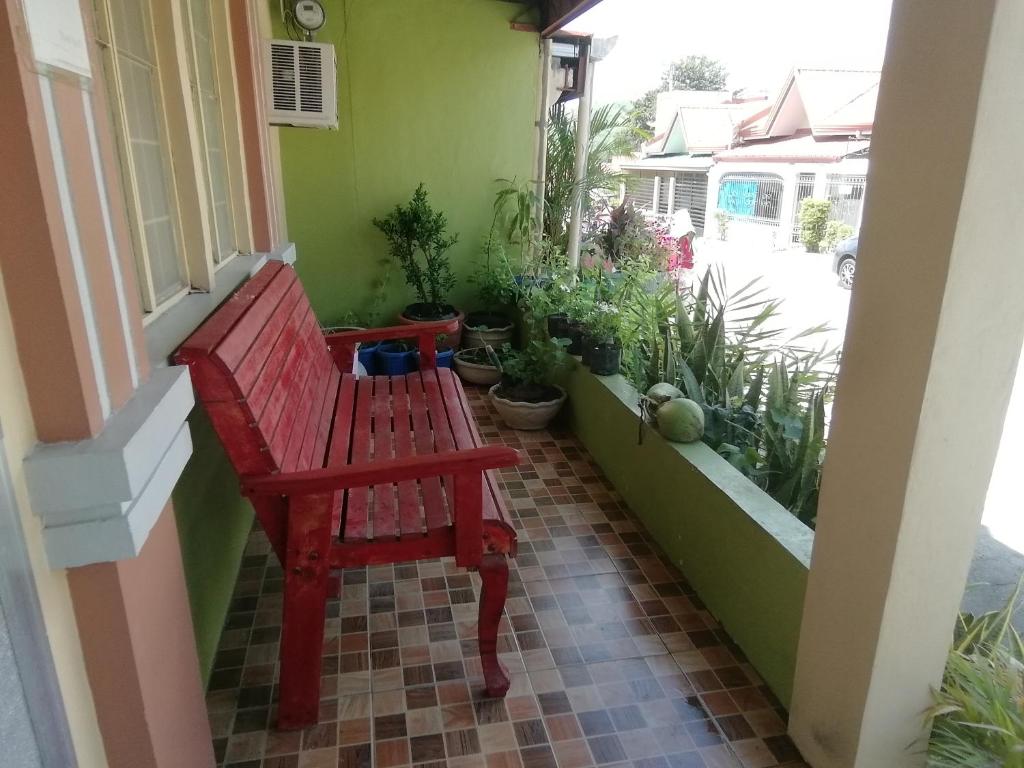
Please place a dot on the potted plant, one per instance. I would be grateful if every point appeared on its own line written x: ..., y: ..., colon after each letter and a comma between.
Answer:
x: 475, y: 365
x: 366, y: 351
x: 395, y: 358
x: 602, y: 344
x: 445, y: 353
x: 496, y: 289
x: 419, y: 241
x: 578, y: 307
x: 526, y: 397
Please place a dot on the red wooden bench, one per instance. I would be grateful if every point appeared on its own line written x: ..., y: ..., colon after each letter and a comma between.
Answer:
x: 344, y: 470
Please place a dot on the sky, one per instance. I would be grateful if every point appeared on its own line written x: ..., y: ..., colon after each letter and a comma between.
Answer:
x: 759, y: 41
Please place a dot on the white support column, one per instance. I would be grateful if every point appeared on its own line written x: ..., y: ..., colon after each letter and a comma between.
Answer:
x: 935, y: 331
x: 582, y: 150
x: 820, y: 184
x: 711, y: 207
x: 657, y: 193
x: 787, y: 207
x: 671, y: 193
x: 542, y: 131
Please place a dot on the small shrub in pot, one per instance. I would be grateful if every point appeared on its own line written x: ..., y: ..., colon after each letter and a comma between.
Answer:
x: 419, y: 241
x: 603, y: 347
x: 526, y: 397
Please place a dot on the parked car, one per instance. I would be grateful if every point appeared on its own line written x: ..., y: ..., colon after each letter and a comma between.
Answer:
x: 844, y: 261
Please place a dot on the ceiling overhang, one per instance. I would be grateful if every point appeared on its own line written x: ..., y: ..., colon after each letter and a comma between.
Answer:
x: 555, y: 14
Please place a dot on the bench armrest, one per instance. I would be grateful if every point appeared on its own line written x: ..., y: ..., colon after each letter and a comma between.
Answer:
x: 394, y: 332
x: 330, y: 479
x: 343, y: 344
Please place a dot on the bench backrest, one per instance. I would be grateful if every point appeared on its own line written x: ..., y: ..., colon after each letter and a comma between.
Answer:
x: 262, y: 369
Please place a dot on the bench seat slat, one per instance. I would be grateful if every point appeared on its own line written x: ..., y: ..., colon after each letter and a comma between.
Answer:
x: 340, y: 441
x: 440, y: 436
x: 410, y: 518
x: 358, y: 498
x: 460, y: 411
x: 423, y: 443
x: 384, y: 507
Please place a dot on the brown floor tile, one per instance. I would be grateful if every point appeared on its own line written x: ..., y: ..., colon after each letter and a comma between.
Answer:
x: 613, y: 657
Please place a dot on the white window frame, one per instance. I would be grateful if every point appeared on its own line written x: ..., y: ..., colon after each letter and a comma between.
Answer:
x: 169, y: 27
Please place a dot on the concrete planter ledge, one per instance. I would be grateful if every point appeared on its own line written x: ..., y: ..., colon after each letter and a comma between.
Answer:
x: 744, y: 553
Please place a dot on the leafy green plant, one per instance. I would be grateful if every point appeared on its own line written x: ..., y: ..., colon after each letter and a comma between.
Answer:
x: 835, y: 232
x: 514, y: 207
x: 625, y: 235
x: 611, y: 134
x: 813, y: 216
x: 763, y: 396
x: 528, y: 375
x: 485, y: 355
x: 604, y: 322
x: 419, y: 242
x: 977, y: 720
x: 495, y: 282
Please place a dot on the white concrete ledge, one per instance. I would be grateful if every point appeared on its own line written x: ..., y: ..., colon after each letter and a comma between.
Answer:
x: 99, y: 498
x: 166, y: 332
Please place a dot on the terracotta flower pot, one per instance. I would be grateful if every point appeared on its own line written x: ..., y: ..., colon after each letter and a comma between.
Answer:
x: 522, y: 415
x: 453, y: 339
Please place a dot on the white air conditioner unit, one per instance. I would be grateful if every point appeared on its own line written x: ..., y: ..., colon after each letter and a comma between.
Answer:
x: 301, y: 84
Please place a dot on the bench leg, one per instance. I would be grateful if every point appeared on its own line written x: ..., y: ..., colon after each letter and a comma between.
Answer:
x: 306, y: 584
x: 494, y: 572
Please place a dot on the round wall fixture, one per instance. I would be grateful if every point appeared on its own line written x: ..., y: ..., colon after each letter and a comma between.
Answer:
x: 309, y: 14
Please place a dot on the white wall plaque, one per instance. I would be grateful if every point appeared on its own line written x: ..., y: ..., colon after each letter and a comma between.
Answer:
x: 58, y: 34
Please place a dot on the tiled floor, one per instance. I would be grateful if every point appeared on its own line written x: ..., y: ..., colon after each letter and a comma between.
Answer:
x: 613, y: 658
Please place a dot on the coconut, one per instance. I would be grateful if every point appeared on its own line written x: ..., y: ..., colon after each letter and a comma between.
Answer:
x: 681, y: 420
x: 662, y: 393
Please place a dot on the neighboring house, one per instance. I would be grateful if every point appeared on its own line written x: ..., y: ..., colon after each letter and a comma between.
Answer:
x: 672, y: 170
x: 813, y: 142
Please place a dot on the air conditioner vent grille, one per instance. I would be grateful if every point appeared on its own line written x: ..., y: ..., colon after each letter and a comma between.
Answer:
x: 301, y: 84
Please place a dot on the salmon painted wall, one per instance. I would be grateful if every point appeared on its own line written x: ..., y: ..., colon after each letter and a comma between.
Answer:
x: 438, y: 91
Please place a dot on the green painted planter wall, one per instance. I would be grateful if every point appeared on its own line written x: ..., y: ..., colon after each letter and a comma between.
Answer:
x: 746, y: 556
x: 438, y: 91
x: 213, y: 525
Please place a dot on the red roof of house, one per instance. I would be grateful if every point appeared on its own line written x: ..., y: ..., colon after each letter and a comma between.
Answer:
x: 828, y: 102
x: 802, y: 149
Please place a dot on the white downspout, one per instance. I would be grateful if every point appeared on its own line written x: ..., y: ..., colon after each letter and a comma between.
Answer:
x: 582, y: 147
x: 542, y: 130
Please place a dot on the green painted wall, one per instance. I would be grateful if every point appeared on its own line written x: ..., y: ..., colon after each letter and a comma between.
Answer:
x: 213, y: 525
x: 746, y: 556
x: 438, y: 91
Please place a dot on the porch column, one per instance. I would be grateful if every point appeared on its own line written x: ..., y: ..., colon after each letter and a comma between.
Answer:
x: 935, y: 331
x: 787, y: 207
x: 102, y: 438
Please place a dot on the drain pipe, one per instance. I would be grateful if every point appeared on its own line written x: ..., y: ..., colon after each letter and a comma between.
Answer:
x: 542, y: 131
x: 582, y: 150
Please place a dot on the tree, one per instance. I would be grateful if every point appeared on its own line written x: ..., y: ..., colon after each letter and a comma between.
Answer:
x: 694, y: 73
x: 611, y: 134
x: 690, y: 73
